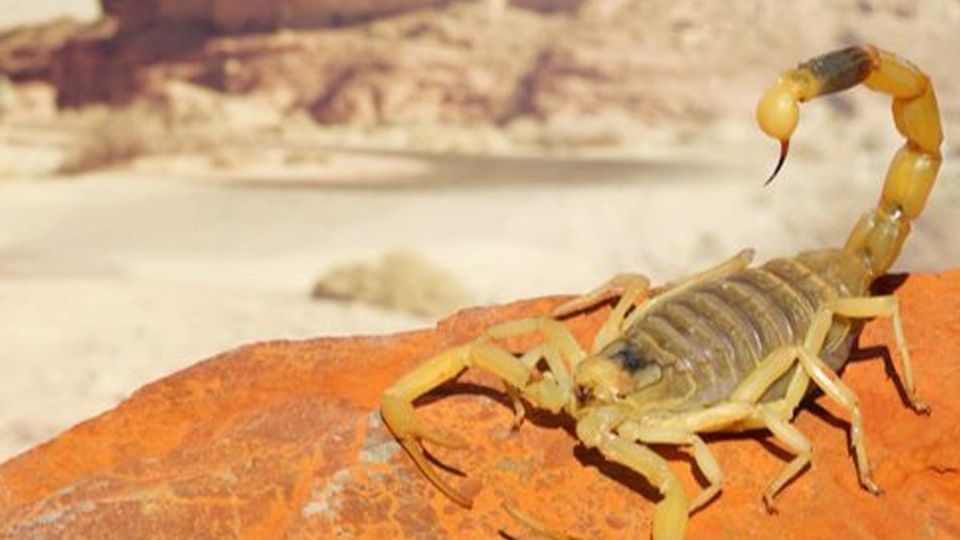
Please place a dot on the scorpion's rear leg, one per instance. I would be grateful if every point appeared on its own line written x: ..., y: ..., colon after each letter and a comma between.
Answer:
x: 775, y: 414
x: 552, y: 391
x: 886, y: 306
x: 830, y: 383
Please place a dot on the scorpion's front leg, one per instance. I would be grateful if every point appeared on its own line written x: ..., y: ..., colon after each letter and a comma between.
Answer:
x: 682, y: 435
x: 598, y: 430
x: 552, y: 391
x: 629, y: 288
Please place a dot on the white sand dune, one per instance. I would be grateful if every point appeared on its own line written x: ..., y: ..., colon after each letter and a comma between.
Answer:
x: 17, y: 12
x: 112, y: 280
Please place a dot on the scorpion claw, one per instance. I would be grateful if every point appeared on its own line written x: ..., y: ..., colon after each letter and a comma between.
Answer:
x: 399, y: 416
x: 416, y: 452
x: 443, y: 438
x: 784, y: 148
x: 410, y: 432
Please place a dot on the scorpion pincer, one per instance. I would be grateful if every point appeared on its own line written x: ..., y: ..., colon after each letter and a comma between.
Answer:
x: 730, y: 349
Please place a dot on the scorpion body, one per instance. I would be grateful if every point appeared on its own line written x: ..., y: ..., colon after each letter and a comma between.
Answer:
x: 709, y: 338
x: 730, y: 349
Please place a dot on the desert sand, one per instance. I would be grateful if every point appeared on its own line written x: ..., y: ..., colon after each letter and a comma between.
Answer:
x: 113, y: 278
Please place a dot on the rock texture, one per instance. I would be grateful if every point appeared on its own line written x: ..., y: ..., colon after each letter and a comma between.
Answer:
x: 283, y: 439
x: 418, y: 68
x: 27, y: 52
x: 228, y: 16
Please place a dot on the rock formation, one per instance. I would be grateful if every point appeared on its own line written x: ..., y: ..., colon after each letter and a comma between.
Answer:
x: 230, y: 16
x: 284, y: 439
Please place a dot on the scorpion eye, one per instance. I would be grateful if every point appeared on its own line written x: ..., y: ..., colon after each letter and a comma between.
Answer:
x: 630, y: 357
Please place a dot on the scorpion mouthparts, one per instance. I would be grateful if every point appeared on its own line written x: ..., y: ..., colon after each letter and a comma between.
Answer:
x: 784, y: 148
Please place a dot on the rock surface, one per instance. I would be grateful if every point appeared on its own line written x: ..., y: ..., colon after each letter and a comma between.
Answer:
x: 27, y: 52
x: 229, y: 16
x: 422, y: 67
x: 284, y: 439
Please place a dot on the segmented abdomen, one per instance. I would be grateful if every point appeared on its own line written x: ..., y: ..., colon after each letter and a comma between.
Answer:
x: 711, y: 336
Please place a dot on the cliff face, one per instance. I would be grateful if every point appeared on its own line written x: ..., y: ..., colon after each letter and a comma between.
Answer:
x: 419, y: 67
x: 451, y: 63
x: 26, y: 53
x: 229, y: 16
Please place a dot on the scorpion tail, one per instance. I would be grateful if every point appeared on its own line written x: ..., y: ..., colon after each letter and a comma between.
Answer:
x: 878, y: 236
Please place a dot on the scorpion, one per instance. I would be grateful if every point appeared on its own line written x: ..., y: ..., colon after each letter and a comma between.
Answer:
x: 730, y: 349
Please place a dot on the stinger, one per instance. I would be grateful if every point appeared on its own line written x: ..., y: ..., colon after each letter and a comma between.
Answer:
x: 784, y: 148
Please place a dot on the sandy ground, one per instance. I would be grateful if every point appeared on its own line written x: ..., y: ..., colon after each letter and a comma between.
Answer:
x: 113, y: 279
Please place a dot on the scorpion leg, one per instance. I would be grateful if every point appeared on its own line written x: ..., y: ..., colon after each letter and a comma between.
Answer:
x: 615, y: 286
x: 886, y: 306
x: 612, y: 328
x: 629, y: 287
x: 772, y: 418
x: 775, y: 416
x: 550, y: 392
x: 775, y: 365
x: 738, y: 416
x: 596, y: 430
x: 828, y: 381
x: 561, y: 352
x: 682, y: 430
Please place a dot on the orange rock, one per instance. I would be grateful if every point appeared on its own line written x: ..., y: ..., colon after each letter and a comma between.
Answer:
x: 283, y: 439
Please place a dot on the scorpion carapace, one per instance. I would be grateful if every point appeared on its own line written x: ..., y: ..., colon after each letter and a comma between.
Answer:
x: 730, y: 349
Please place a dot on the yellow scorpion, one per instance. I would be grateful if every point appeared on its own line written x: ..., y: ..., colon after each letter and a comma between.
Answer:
x: 730, y: 349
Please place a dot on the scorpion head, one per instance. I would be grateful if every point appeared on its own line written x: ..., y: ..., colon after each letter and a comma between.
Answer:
x: 617, y: 371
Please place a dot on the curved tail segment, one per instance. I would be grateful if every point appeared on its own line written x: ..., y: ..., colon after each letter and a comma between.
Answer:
x: 878, y: 236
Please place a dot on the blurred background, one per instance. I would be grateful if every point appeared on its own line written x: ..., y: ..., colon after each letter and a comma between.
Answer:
x: 180, y: 177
